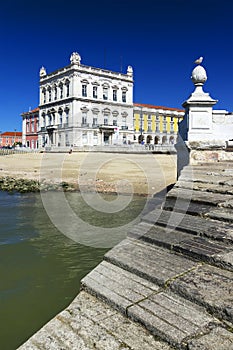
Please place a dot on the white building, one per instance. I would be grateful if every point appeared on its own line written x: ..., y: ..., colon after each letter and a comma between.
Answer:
x: 81, y: 105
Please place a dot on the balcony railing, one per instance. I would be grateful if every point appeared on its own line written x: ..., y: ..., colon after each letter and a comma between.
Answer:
x: 124, y: 127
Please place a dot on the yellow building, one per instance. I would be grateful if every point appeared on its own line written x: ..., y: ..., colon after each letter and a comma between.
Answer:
x: 156, y: 124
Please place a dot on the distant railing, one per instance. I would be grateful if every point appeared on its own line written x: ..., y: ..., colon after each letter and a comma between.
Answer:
x: 23, y: 150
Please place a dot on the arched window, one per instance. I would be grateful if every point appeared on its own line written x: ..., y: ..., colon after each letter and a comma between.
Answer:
x: 157, y: 140
x: 67, y: 88
x: 55, y: 92
x: 148, y: 139
x: 44, y: 95
x: 61, y: 90
x: 164, y: 140
x: 50, y: 94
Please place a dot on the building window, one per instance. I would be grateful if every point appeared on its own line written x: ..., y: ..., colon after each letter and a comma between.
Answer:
x: 67, y: 117
x: 67, y: 140
x: 149, y: 125
x: 55, y: 93
x: 67, y: 89
x: 44, y: 95
x: 95, y: 92
x: 105, y: 93
x: 84, y: 118
x: 61, y: 91
x: 50, y: 95
x: 172, y: 127
x: 114, y: 122
x: 164, y: 124
x: 32, y: 126
x: 84, y: 90
x: 95, y: 121
x: 123, y: 96
x: 157, y: 127
x: 105, y: 121
x: 60, y: 118
x: 114, y: 95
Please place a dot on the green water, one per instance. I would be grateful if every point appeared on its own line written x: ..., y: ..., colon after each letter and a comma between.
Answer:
x: 41, y: 268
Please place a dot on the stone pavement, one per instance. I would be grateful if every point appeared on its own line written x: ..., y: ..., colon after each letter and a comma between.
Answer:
x: 168, y: 285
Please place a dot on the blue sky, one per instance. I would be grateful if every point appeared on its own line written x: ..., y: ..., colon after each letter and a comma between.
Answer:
x: 160, y: 39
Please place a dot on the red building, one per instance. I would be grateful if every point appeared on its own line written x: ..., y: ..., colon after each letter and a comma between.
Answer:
x: 10, y: 138
x: 30, y: 128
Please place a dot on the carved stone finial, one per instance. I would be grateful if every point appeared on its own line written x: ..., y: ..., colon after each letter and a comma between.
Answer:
x: 42, y: 71
x: 130, y: 71
x: 199, y: 76
x: 75, y: 58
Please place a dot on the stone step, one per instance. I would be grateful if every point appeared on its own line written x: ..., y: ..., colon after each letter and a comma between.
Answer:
x: 116, y: 286
x: 210, y: 287
x: 221, y: 214
x: 155, y: 264
x: 171, y: 318
x: 199, y: 248
x: 164, y: 314
x: 186, y: 206
x: 206, y: 179
x: 218, y: 339
x: 195, y: 225
x: 226, y: 188
x: 198, y: 196
x: 88, y: 324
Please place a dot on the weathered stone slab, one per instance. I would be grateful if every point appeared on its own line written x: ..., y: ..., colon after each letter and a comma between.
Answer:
x: 225, y: 260
x: 218, y: 339
x: 161, y: 236
x: 201, y: 248
x: 186, y: 206
x: 170, y: 317
x: 150, y: 262
x: 116, y: 286
x: 199, y: 196
x: 79, y: 328
x: 208, y: 286
x: 221, y: 214
x: 222, y: 188
x: 192, y: 224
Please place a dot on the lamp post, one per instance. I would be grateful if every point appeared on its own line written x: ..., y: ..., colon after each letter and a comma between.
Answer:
x: 14, y: 137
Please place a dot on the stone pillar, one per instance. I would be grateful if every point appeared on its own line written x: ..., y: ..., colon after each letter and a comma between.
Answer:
x: 197, y: 125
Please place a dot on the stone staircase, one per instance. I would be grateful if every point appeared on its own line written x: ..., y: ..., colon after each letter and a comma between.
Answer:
x: 174, y: 272
x: 168, y: 285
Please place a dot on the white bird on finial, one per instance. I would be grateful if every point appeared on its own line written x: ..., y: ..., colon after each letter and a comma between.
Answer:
x: 199, y: 60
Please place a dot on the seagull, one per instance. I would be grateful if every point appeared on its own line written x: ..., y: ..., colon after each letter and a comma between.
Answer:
x: 199, y: 60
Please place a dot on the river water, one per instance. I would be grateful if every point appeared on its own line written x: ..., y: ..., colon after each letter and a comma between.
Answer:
x: 40, y: 267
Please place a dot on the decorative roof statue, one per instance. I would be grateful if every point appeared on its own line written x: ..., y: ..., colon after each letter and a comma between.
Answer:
x: 130, y: 71
x: 42, y: 71
x: 75, y: 58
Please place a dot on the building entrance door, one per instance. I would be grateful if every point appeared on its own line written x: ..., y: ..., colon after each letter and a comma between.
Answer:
x: 106, y: 138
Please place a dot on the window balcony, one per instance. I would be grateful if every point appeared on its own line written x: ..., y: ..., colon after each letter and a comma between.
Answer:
x: 124, y: 127
x: 51, y: 127
x: 42, y: 129
x: 85, y: 125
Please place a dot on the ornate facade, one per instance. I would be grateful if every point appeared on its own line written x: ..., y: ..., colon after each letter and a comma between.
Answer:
x: 30, y: 128
x: 156, y: 124
x: 81, y: 105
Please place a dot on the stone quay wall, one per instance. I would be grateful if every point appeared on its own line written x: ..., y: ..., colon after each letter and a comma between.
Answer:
x: 169, y: 284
